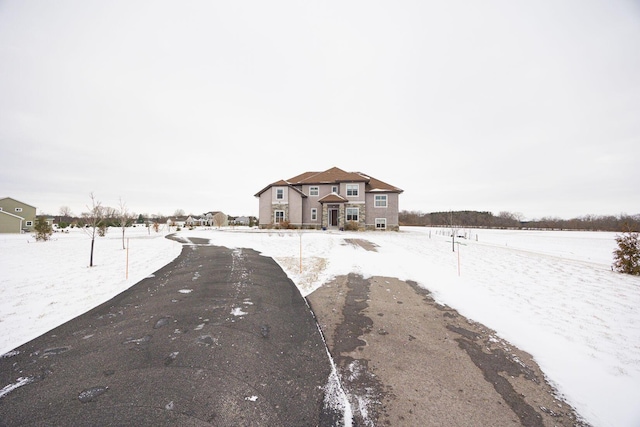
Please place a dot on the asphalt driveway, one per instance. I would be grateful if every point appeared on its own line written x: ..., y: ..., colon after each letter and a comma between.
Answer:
x: 217, y: 337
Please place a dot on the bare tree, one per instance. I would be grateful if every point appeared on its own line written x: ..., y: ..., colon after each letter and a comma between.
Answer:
x: 178, y: 213
x: 125, y: 218
x: 92, y: 220
x: 218, y: 219
x: 65, y: 212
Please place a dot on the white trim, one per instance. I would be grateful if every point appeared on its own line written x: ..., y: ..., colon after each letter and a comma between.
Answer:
x: 317, y: 190
x: 380, y: 221
x: 275, y: 217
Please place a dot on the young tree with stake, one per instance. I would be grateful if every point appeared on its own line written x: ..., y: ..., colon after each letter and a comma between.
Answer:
x: 92, y: 221
x: 125, y: 218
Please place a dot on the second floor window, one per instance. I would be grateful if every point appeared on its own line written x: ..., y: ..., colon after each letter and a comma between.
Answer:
x: 352, y: 189
x: 18, y: 209
x: 381, y: 201
x: 314, y: 191
x: 279, y: 193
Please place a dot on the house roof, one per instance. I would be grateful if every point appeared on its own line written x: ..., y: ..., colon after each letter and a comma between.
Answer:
x: 12, y: 215
x: 332, y: 198
x: 334, y: 176
x: 330, y: 176
x: 18, y: 201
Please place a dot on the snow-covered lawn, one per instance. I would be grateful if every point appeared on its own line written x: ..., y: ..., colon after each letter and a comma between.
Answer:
x: 551, y: 293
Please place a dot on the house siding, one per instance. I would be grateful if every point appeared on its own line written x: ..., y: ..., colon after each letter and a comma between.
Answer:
x: 10, y: 223
x: 265, y: 216
x: 390, y: 213
x: 27, y: 213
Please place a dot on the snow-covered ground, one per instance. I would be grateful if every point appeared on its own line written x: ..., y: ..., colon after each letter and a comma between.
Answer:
x: 551, y: 293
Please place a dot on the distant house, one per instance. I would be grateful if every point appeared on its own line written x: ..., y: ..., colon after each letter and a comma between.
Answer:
x: 242, y: 220
x: 330, y: 199
x: 208, y: 219
x: 16, y: 216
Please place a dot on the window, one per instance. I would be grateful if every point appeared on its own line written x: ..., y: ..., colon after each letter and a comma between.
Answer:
x: 352, y: 214
x: 335, y: 189
x: 279, y: 193
x: 381, y: 223
x: 314, y: 191
x: 352, y: 189
x: 381, y: 201
x: 18, y: 209
x: 278, y: 216
x: 314, y: 214
x: 28, y: 223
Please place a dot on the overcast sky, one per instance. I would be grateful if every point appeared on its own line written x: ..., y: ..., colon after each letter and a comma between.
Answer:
x: 530, y: 107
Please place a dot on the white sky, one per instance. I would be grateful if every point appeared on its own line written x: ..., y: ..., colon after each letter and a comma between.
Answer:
x: 526, y: 107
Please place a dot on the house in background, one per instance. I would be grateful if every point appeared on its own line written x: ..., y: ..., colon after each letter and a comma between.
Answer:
x: 330, y: 199
x: 208, y: 220
x: 16, y: 216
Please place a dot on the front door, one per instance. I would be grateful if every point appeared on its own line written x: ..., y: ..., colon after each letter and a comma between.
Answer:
x: 333, y: 217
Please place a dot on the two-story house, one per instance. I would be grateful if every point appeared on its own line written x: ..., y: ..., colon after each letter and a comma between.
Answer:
x: 15, y: 216
x: 330, y: 199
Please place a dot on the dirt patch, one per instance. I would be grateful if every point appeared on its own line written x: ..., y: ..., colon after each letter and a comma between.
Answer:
x: 362, y: 243
x: 406, y: 360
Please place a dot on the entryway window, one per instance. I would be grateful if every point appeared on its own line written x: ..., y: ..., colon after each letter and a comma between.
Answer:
x: 352, y: 214
x: 278, y: 216
x: 314, y: 214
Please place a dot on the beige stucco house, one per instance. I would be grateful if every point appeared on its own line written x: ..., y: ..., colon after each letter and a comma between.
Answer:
x: 330, y: 199
x: 15, y: 216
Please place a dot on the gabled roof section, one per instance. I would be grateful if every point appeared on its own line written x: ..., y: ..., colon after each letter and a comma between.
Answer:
x: 10, y: 214
x: 281, y: 183
x: 375, y: 185
x: 17, y: 201
x: 332, y: 198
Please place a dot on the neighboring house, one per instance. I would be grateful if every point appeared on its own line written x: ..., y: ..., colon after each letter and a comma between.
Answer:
x: 192, y: 222
x: 330, y: 199
x: 242, y: 220
x: 15, y: 216
x: 208, y: 219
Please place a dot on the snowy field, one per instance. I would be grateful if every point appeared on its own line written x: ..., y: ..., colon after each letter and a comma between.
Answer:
x: 551, y: 293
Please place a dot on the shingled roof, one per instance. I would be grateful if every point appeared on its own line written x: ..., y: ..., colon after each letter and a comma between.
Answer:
x: 334, y: 176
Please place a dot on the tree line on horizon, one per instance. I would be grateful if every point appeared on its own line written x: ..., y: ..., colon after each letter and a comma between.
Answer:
x: 480, y: 219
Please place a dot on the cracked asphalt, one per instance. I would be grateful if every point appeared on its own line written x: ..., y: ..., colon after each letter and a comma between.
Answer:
x: 217, y: 337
